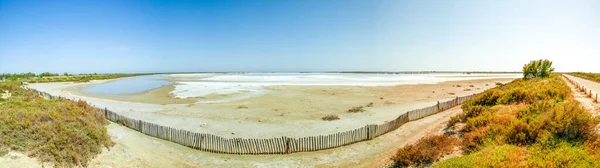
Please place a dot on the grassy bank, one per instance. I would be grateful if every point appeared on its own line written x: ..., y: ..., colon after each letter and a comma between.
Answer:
x: 527, y: 123
x: 589, y: 76
x: 49, y: 77
x: 64, y: 132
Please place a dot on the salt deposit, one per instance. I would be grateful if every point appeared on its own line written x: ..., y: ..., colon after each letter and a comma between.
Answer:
x: 243, y: 86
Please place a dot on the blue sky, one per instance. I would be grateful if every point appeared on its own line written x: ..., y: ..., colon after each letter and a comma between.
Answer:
x: 320, y: 35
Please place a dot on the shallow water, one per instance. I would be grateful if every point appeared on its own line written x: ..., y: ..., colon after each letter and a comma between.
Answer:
x: 128, y: 85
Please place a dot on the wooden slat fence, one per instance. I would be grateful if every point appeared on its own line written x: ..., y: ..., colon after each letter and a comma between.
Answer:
x: 588, y: 92
x: 280, y: 145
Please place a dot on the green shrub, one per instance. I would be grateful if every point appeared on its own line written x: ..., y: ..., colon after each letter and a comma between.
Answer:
x: 64, y: 132
x: 538, y: 69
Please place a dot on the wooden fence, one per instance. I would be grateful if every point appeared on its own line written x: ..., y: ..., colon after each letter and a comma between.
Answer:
x: 588, y: 92
x: 280, y: 145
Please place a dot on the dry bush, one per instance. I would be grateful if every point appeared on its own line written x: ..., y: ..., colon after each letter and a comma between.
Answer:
x: 370, y: 104
x: 498, y: 84
x: 471, y: 86
x: 331, y: 117
x: 356, y: 109
x: 64, y: 132
x: 467, y: 90
x: 451, y: 93
x: 242, y: 107
x: 458, y: 86
x: 425, y: 151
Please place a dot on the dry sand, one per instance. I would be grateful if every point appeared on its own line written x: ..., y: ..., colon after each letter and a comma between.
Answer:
x: 292, y: 111
x: 134, y: 149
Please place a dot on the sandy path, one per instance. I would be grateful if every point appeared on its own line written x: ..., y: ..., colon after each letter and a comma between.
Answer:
x: 587, y: 103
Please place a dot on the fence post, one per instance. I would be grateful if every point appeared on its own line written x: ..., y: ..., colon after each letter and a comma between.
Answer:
x: 139, y: 125
x: 201, y: 141
x: 368, y: 132
x: 287, y: 145
x: 105, y: 113
x: 438, y: 106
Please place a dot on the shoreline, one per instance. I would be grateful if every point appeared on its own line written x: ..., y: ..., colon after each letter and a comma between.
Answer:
x: 293, y: 111
x: 163, y: 95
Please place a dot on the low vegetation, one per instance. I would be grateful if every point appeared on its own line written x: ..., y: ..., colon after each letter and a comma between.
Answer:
x: 425, y: 151
x: 242, y: 107
x: 52, y: 77
x: 356, y: 109
x: 64, y: 132
x: 331, y: 117
x: 532, y: 122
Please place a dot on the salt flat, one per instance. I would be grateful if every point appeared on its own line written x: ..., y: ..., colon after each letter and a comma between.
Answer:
x: 281, y: 109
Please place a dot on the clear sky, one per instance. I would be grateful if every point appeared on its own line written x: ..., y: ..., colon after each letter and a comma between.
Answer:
x: 83, y: 36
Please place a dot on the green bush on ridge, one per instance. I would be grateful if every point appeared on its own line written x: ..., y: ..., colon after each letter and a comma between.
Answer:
x: 527, y: 123
x: 538, y: 69
x: 530, y: 122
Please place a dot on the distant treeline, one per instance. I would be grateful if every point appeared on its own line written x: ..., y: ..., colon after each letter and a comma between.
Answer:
x: 55, y: 77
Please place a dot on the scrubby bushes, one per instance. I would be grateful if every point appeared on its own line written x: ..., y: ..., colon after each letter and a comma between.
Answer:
x: 330, y: 117
x: 530, y: 123
x: 525, y: 123
x: 538, y: 69
x: 64, y: 132
x: 356, y: 109
x: 425, y: 151
x: 563, y: 155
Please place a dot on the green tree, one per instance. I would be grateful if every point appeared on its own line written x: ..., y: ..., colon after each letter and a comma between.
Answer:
x: 538, y: 69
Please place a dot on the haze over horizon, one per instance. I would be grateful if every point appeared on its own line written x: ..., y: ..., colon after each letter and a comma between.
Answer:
x: 264, y: 36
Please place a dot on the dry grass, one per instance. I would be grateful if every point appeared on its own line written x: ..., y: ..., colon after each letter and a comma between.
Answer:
x: 356, y: 109
x: 331, y: 117
x: 425, y: 151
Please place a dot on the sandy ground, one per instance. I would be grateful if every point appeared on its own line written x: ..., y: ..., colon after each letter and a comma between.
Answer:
x: 293, y: 111
x: 134, y: 149
x: 588, y: 103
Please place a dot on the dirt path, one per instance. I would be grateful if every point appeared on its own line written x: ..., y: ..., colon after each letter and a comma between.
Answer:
x: 134, y: 149
x: 586, y: 102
